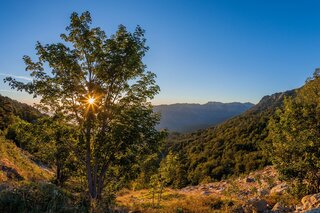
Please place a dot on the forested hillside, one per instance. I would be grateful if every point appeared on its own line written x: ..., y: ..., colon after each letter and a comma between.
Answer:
x: 231, y: 148
x: 10, y: 108
x: 191, y: 117
x: 16, y: 165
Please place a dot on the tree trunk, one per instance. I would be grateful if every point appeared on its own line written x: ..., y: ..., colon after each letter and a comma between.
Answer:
x: 100, y: 180
x: 153, y: 193
x: 160, y: 195
x: 92, y: 188
x: 58, y: 175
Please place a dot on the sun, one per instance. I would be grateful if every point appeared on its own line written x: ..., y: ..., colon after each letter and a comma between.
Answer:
x: 91, y: 100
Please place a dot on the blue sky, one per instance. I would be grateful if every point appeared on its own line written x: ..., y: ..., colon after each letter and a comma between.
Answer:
x: 200, y: 50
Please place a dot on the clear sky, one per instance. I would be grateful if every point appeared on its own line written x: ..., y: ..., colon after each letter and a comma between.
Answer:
x: 200, y: 50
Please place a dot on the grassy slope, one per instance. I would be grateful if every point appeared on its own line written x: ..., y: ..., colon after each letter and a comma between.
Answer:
x: 15, y: 162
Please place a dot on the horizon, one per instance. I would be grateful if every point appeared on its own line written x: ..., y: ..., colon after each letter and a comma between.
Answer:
x: 32, y: 101
x: 201, y: 52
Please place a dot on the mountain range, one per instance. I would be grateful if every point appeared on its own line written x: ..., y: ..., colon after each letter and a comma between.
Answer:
x: 191, y: 117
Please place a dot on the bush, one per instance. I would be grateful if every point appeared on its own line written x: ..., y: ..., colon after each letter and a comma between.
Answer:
x: 294, y: 139
x: 40, y: 197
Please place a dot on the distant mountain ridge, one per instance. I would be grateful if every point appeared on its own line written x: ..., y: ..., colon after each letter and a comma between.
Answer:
x: 183, y: 117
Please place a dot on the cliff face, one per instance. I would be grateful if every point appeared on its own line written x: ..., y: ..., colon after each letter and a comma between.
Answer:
x: 272, y: 101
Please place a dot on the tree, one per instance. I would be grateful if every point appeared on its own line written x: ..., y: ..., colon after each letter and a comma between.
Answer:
x: 46, y: 140
x: 168, y: 174
x: 294, y: 134
x: 101, y: 86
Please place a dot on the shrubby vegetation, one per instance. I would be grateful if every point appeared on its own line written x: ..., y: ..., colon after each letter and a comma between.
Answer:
x: 294, y: 138
x: 38, y: 197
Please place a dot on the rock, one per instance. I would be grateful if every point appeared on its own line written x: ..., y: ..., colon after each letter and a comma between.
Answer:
x: 317, y: 210
x: 311, y: 201
x: 119, y: 209
x: 279, y: 189
x: 255, y: 205
x: 238, y: 209
x: 11, y: 173
x: 188, y: 188
x: 203, y: 188
x: 262, y: 192
x: 3, y: 187
x: 206, y: 193
x: 299, y: 208
x: 220, y: 189
x: 249, y: 180
x: 279, y: 207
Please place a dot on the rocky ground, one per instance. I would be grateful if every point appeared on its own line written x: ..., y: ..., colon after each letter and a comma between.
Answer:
x: 260, y: 191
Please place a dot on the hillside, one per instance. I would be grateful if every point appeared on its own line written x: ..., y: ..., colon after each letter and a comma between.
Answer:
x: 9, y: 108
x: 231, y: 148
x: 191, y: 117
x: 16, y: 165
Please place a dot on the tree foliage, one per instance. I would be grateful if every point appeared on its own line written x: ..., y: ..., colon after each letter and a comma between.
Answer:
x: 101, y: 86
x: 294, y: 135
x: 48, y: 141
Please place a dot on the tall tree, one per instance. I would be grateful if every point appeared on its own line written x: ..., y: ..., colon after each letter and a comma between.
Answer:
x: 100, y: 85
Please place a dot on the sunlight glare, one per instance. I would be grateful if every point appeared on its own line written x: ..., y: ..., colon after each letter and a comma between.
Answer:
x: 91, y: 100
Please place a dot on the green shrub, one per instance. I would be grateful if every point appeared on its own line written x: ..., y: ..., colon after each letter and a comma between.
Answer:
x: 294, y: 139
x: 40, y: 197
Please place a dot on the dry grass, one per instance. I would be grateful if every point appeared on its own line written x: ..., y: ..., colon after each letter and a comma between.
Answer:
x: 175, y: 201
x: 224, y: 196
x: 14, y: 158
x: 284, y: 199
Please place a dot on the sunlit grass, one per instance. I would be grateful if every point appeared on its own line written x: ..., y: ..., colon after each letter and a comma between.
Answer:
x: 13, y: 157
x: 174, y: 201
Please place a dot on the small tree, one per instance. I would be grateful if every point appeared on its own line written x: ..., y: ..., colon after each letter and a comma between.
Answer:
x: 167, y: 172
x: 100, y: 85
